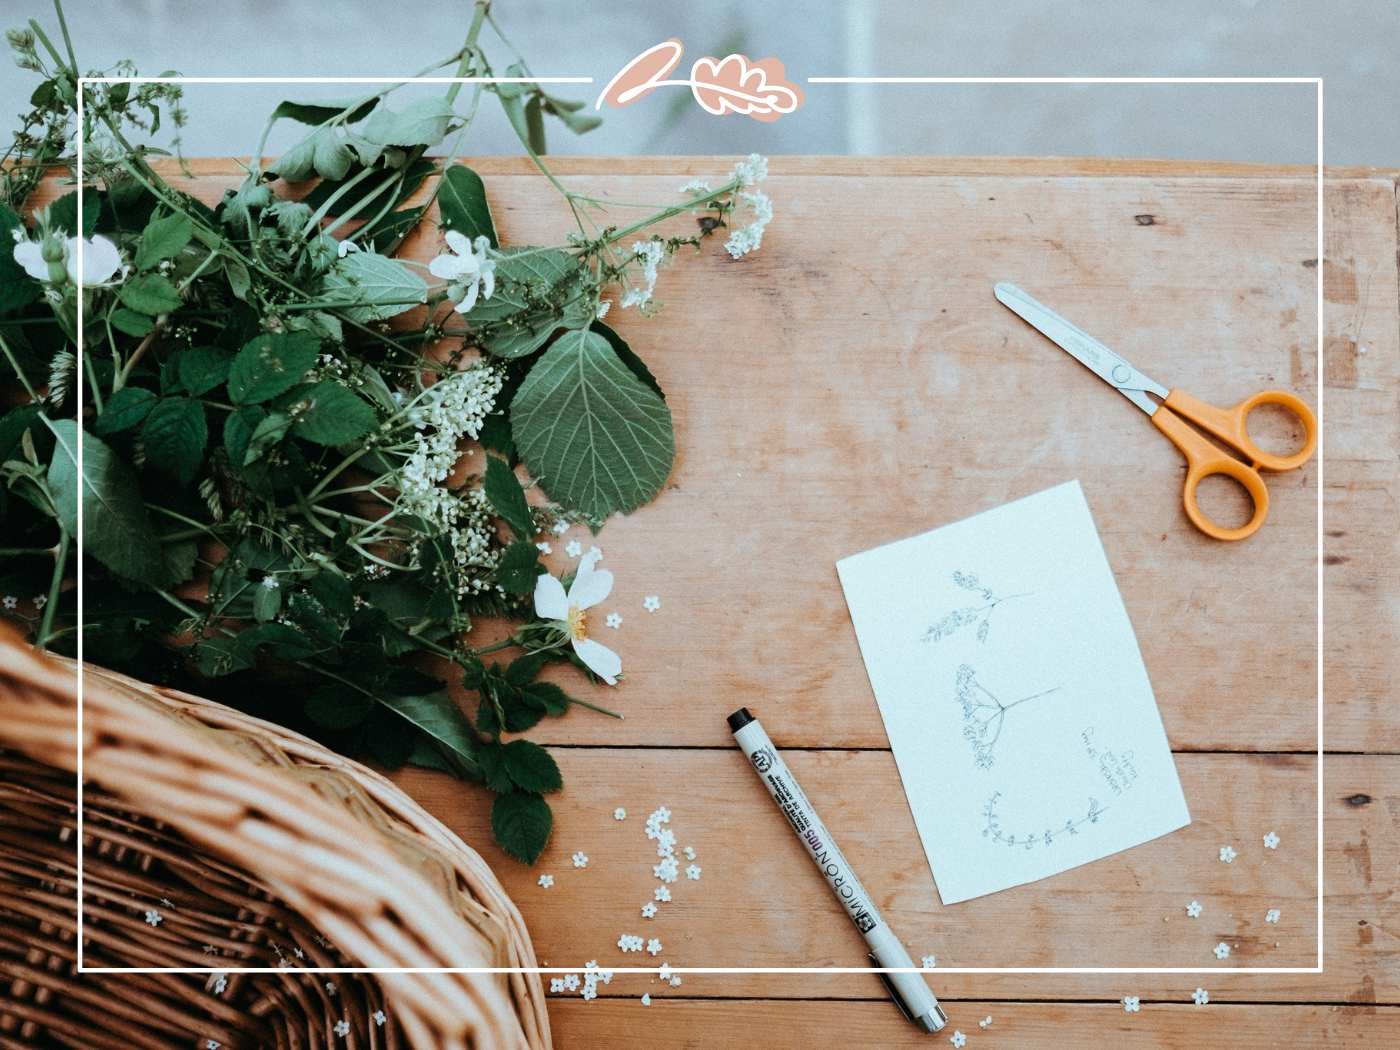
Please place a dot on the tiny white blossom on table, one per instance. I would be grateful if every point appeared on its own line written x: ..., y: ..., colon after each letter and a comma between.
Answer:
x: 1271, y: 840
x: 675, y: 982
x: 646, y: 1000
x: 153, y: 917
x: 614, y: 620
x: 928, y: 962
x: 619, y: 814
x: 596, y: 552
x: 689, y: 852
x: 544, y: 548
x: 1200, y: 997
x: 986, y: 1022
x: 662, y: 893
x: 573, y: 548
x: 1194, y: 909
x: 342, y: 1028
x: 560, y: 527
x: 1222, y: 950
x: 546, y: 881
x: 665, y: 972
x: 1131, y: 1004
x: 648, y: 910
x: 1272, y: 916
x: 654, y: 946
x: 1228, y: 854
x: 692, y: 872
x: 957, y: 1038
x: 580, y: 859
x: 651, y: 603
x: 379, y: 1018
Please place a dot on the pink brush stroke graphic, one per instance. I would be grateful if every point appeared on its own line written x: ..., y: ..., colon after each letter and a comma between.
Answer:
x: 733, y: 84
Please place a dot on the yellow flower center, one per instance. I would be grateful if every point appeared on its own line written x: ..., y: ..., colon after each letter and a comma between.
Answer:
x: 578, y: 623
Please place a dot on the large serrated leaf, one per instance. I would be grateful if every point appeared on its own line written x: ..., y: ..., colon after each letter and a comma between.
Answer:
x: 335, y: 415
x: 371, y: 287
x: 270, y: 364
x: 436, y: 715
x: 175, y: 433
x: 420, y: 123
x: 597, y: 439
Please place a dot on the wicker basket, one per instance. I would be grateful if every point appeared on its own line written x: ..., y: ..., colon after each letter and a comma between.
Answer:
x: 213, y: 839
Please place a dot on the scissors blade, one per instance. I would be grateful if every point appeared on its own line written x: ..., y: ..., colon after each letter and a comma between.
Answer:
x: 1084, y: 348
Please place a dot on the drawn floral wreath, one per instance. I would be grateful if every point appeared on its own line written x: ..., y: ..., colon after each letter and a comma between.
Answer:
x: 733, y: 84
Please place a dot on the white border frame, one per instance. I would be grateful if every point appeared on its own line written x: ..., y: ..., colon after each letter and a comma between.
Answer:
x: 840, y: 80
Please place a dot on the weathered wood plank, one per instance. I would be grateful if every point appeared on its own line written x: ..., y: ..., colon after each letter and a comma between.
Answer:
x: 1178, y: 1025
x: 758, y: 902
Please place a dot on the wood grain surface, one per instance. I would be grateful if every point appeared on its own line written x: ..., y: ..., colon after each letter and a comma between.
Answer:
x: 855, y: 382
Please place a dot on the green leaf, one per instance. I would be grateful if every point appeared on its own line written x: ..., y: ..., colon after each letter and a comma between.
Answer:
x: 531, y: 767
x: 534, y: 125
x: 334, y: 592
x: 124, y: 410
x: 597, y: 439
x: 132, y: 323
x: 521, y: 824
x: 267, y: 601
x: 338, y: 707
x: 437, y: 715
x: 333, y: 157
x: 566, y: 112
x: 270, y: 364
x: 624, y: 353
x: 175, y: 433
x: 238, y: 431
x: 391, y: 229
x: 269, y: 432
x: 299, y: 163
x: 371, y: 186
x: 536, y: 294
x: 462, y: 203
x: 63, y: 213
x: 150, y: 293
x: 420, y: 123
x: 220, y: 656
x: 547, y: 696
x: 202, y: 368
x: 163, y: 238
x: 13, y: 426
x: 322, y: 110
x: 518, y: 567
x: 523, y: 669
x: 336, y: 416
x: 239, y: 282
x: 17, y: 288
x: 373, y: 287
x: 492, y: 759
x: 507, y: 497
x: 116, y: 528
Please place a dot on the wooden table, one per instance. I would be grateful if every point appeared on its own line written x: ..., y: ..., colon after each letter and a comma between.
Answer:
x: 855, y: 382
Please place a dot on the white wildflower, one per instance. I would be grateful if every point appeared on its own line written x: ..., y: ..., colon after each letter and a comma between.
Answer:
x: 546, y: 881
x: 342, y: 1028
x: 270, y: 583
x: 651, y: 603
x: 650, y: 254
x: 749, y: 238
x: 750, y: 170
x: 654, y: 946
x: 544, y: 548
x: 928, y: 962
x: 696, y: 188
x: 580, y: 859
x: 601, y: 310
x: 646, y: 999
x: 467, y: 269
x: 619, y: 814
x: 573, y: 548
x: 590, y: 586
x: 1222, y: 950
x: 1200, y: 997
x: 1272, y: 916
x: 1131, y: 1004
x: 958, y: 1039
x: 53, y: 260
x: 1271, y: 840
x: 1194, y: 909
x: 560, y: 527
x: 379, y: 1018
x: 648, y: 910
x: 153, y: 917
x: 693, y: 872
x: 1228, y: 854
x: 11, y: 602
x: 614, y: 620
x: 662, y: 893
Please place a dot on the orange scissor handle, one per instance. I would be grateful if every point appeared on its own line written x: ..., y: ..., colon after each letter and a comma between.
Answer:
x: 1202, y: 460
x: 1231, y: 425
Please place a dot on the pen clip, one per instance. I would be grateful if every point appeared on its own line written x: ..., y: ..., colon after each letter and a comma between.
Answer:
x: 891, y: 989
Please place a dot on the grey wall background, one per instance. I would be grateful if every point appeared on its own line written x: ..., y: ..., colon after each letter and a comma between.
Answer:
x: 1351, y: 43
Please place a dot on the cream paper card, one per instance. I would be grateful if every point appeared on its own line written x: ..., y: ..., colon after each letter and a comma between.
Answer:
x: 1014, y: 694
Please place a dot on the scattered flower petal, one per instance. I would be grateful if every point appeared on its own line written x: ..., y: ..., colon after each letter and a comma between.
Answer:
x: 986, y: 1022
x: 1272, y: 916
x: 646, y: 999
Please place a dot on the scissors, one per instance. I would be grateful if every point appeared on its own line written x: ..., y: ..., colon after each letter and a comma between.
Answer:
x: 1175, y: 413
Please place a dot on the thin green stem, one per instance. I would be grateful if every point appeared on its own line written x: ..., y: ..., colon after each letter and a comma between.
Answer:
x: 60, y: 562
x: 19, y: 372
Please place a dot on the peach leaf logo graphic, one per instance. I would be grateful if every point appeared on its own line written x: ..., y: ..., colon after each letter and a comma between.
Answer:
x: 733, y: 84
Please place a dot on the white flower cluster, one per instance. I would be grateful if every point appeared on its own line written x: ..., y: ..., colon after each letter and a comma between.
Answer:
x: 752, y: 169
x: 452, y: 408
x: 748, y: 238
x: 650, y: 254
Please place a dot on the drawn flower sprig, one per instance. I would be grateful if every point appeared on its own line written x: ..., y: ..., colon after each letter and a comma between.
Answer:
x: 984, y: 715
x: 981, y: 615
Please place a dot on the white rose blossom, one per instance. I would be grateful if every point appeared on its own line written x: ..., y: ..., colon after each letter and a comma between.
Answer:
x: 591, y: 586
x: 101, y: 260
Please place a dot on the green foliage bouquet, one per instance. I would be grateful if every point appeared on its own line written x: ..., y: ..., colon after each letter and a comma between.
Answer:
x: 298, y: 457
